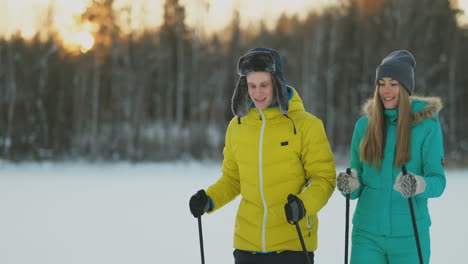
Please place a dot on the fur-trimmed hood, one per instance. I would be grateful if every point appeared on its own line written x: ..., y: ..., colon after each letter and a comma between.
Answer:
x: 422, y: 107
x: 259, y: 60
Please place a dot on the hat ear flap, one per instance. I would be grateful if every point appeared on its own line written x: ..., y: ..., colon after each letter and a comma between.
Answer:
x: 240, y: 100
x: 281, y: 95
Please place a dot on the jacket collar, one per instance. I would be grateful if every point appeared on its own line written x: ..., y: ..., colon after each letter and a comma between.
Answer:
x: 421, y: 108
x: 273, y: 111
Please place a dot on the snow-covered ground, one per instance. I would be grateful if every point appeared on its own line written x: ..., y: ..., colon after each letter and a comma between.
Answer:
x: 79, y: 213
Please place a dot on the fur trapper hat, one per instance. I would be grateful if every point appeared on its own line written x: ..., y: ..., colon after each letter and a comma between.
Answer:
x: 259, y: 60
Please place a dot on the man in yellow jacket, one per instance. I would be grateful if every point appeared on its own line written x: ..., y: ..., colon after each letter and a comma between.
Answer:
x: 273, y: 149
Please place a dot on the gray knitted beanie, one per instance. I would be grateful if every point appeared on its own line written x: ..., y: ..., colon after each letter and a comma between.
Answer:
x: 398, y: 65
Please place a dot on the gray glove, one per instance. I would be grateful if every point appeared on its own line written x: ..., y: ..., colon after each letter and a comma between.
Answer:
x: 347, y: 183
x: 409, y: 184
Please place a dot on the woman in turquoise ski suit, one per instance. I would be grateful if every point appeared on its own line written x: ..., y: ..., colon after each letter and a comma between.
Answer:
x: 396, y: 130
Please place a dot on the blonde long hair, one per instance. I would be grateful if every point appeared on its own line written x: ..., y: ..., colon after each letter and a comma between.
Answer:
x: 373, y: 143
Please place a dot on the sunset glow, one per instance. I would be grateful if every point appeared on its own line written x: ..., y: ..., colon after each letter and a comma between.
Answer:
x: 82, y: 41
x: 85, y: 40
x: 78, y: 37
x: 29, y: 17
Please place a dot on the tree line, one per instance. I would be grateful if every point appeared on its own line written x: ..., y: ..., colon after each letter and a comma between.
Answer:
x: 164, y: 94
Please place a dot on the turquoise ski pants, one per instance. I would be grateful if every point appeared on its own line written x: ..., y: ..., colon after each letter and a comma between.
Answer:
x: 370, y: 248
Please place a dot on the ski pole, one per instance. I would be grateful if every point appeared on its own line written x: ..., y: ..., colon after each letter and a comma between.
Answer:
x: 299, y: 233
x: 348, y: 171
x: 413, y: 219
x: 302, y: 242
x: 200, y: 234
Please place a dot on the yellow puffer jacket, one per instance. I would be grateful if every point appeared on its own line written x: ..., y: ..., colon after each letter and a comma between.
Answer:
x: 268, y: 156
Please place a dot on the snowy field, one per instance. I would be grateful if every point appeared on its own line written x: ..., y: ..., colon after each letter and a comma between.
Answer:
x: 78, y: 213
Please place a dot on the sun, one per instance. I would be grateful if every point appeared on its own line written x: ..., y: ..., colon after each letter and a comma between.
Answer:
x: 77, y: 40
x: 84, y: 40
x: 78, y: 37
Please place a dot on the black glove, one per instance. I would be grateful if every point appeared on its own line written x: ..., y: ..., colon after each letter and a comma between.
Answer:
x: 199, y: 203
x: 294, y: 209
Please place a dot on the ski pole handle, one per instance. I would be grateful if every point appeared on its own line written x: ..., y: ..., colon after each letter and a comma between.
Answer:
x: 403, y: 169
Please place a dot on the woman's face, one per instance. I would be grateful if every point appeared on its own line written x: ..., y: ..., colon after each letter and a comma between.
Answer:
x: 260, y: 89
x: 389, y: 92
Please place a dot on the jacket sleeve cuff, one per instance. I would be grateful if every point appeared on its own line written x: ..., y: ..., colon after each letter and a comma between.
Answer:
x: 211, y: 204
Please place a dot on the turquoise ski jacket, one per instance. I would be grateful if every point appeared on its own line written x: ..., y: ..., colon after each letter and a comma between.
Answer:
x: 380, y: 209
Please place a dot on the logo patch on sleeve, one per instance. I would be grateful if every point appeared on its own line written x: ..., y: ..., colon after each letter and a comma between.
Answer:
x: 285, y: 143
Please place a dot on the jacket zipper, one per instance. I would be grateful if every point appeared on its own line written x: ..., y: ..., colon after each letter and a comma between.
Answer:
x: 260, y: 173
